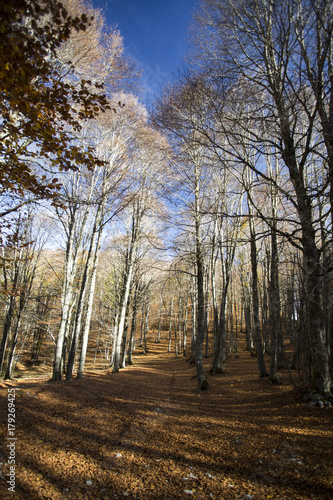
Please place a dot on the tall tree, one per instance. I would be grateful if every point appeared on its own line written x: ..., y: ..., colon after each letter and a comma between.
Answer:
x: 90, y: 201
x: 19, y: 261
x: 178, y: 114
x: 262, y: 57
x: 148, y: 177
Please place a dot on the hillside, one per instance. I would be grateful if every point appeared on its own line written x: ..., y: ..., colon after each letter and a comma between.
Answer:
x: 146, y: 433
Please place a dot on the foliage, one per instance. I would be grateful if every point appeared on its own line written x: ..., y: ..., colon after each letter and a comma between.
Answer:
x: 40, y: 105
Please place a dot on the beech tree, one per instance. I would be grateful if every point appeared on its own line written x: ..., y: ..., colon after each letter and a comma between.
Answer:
x: 178, y: 113
x: 40, y: 106
x: 146, y: 186
x: 19, y: 260
x: 229, y: 217
x: 91, y: 199
x: 312, y: 23
x: 255, y: 286
x: 91, y: 196
x: 264, y: 61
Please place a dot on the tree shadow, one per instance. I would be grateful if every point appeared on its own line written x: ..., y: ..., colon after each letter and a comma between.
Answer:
x: 146, y: 433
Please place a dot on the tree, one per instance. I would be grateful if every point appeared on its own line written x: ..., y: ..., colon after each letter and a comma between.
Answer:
x: 90, y: 199
x: 19, y: 261
x: 178, y: 114
x: 274, y: 106
x: 146, y: 184
x: 91, y: 195
x: 41, y: 102
x: 313, y: 25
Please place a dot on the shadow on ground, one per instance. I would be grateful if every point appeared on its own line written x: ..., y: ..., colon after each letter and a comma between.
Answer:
x: 146, y: 433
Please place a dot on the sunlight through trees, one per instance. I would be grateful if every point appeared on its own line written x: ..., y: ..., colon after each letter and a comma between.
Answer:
x: 205, y: 222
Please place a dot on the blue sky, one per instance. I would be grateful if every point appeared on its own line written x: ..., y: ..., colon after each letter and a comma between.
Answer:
x: 154, y: 33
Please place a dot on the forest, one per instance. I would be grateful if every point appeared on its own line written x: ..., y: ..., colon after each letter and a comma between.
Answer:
x: 166, y: 270
x: 207, y: 217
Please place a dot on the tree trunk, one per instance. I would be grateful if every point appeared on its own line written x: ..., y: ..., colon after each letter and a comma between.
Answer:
x: 122, y: 317
x: 160, y: 319
x: 146, y: 325
x: 198, y: 347
x: 86, y: 296
x: 91, y: 291
x: 133, y: 326
x: 220, y: 355
x: 274, y: 307
x: 170, y: 324
x: 185, y: 328
x: 255, y: 299
x: 66, y: 304
x: 11, y: 354
x: 127, y: 283
x: 6, y: 330
x: 200, y: 324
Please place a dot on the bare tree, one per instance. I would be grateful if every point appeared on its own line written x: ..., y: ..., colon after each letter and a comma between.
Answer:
x: 177, y: 114
x: 263, y: 62
x: 146, y: 184
x: 20, y: 258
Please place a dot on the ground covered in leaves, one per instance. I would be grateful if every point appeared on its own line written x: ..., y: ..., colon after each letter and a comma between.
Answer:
x: 146, y: 433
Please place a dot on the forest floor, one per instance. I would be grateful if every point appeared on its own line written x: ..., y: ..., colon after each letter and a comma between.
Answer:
x: 146, y: 433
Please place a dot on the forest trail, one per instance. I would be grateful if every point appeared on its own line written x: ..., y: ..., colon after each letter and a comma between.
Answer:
x: 146, y: 433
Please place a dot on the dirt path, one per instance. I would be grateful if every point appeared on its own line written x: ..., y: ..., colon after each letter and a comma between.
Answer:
x: 145, y: 433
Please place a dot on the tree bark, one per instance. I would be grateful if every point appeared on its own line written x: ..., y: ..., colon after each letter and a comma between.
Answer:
x: 274, y: 309
x: 127, y: 283
x: 255, y: 298
x: 200, y: 324
x: 91, y: 290
x: 66, y: 303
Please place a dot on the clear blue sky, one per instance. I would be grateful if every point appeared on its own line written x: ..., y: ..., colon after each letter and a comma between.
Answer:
x: 154, y: 33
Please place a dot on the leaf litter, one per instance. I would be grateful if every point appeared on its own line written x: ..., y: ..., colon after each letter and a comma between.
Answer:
x: 105, y: 437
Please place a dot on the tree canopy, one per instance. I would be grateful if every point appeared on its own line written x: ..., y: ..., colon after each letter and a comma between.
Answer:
x: 41, y: 102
